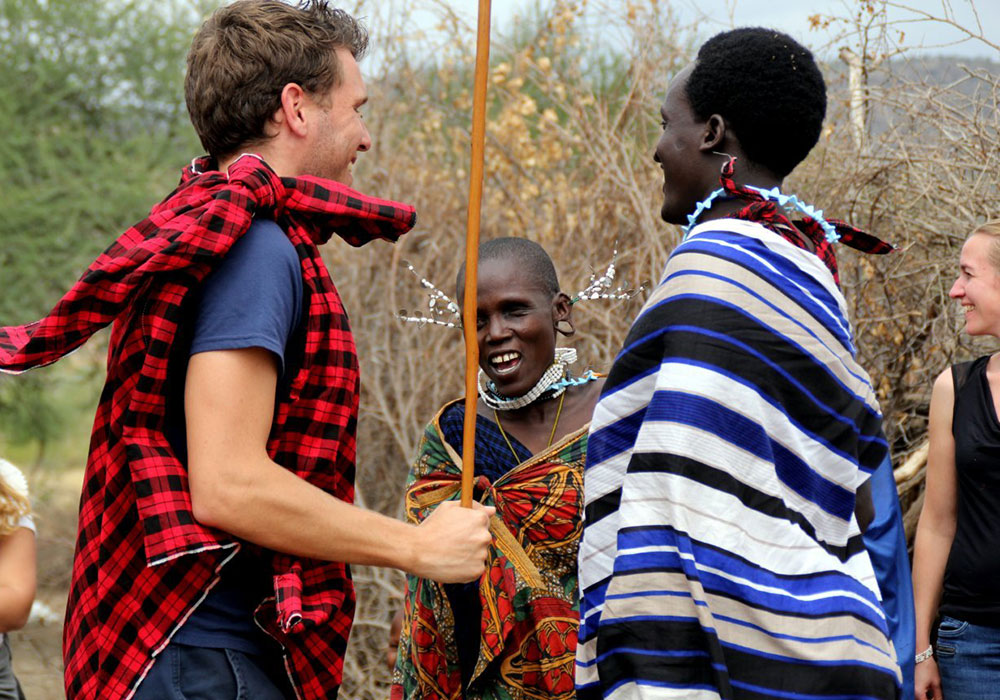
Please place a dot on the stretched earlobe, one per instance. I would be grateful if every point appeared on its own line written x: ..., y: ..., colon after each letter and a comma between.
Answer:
x: 561, y: 313
x: 568, y: 330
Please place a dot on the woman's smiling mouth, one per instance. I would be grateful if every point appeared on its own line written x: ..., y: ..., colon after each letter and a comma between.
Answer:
x: 505, y: 362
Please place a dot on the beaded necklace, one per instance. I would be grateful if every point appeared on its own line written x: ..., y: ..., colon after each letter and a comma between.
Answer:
x: 548, y: 386
x: 766, y: 207
x: 553, y: 382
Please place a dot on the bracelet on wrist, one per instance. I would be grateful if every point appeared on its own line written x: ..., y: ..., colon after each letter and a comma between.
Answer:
x: 925, y: 654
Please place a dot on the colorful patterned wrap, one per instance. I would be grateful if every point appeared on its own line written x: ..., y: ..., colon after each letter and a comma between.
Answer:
x: 528, y: 593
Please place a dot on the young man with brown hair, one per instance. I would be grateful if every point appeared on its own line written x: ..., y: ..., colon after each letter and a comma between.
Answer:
x: 216, y: 522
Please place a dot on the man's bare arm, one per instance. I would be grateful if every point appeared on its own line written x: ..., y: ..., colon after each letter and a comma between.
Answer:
x: 229, y: 405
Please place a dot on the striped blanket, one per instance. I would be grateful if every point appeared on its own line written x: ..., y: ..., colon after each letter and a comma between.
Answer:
x: 721, y: 555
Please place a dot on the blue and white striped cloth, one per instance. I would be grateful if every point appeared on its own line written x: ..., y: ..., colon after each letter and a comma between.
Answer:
x: 721, y: 555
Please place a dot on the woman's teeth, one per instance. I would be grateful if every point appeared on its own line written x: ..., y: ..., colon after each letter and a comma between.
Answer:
x: 505, y: 362
x: 506, y: 357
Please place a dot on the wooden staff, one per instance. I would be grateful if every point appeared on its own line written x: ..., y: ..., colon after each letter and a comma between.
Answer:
x: 472, y: 250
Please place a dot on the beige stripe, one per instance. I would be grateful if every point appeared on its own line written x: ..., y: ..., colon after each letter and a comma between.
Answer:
x: 451, y: 453
x: 709, y: 448
x: 503, y: 538
x: 774, y: 623
x: 726, y: 290
x: 512, y: 549
x: 637, y: 691
x: 432, y: 498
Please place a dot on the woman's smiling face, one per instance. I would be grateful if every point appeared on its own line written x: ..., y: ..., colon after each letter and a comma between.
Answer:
x: 515, y: 322
x: 977, y: 288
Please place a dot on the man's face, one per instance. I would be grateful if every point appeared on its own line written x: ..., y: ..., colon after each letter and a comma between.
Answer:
x: 678, y: 153
x: 337, y: 130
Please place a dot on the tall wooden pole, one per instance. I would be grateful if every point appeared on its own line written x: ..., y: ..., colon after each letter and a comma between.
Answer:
x: 472, y: 250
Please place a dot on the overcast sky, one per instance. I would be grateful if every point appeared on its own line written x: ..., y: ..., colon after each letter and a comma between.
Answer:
x: 792, y: 16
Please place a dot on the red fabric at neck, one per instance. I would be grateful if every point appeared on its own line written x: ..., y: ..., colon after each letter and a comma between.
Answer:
x: 767, y: 213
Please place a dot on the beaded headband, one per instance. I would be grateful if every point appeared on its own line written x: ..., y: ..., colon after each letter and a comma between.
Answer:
x: 438, y: 304
x: 441, y: 308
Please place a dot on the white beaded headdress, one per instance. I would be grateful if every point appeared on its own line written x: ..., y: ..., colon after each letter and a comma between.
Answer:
x: 443, y: 311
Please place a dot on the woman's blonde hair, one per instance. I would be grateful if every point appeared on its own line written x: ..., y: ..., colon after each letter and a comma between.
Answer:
x: 13, y: 506
x: 991, y: 228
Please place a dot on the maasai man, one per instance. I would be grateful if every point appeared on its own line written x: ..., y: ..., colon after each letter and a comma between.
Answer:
x: 215, y: 521
x: 512, y: 634
x: 722, y: 555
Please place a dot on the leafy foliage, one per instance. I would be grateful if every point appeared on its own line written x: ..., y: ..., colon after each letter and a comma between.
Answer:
x: 94, y: 127
x: 91, y: 108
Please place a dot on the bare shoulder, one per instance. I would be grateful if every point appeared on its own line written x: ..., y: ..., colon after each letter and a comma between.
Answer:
x: 597, y: 386
x: 942, y: 405
x: 579, y: 408
x: 944, y: 383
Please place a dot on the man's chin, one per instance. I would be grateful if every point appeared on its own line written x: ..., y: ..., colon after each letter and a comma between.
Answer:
x: 343, y: 177
x: 671, y: 217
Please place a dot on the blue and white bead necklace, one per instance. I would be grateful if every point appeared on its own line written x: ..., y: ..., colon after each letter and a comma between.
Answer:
x: 774, y: 194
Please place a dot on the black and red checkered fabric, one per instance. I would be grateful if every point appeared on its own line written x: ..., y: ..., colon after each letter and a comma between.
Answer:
x: 142, y: 561
x: 767, y: 213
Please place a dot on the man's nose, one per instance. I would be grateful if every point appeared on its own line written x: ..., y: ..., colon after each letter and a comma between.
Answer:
x: 366, y: 140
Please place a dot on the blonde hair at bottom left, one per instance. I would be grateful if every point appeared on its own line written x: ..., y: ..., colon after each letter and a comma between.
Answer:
x: 14, y: 503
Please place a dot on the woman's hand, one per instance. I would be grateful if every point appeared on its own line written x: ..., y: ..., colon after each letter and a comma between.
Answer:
x: 927, y: 681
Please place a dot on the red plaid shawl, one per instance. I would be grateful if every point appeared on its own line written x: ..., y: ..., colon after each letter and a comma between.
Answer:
x: 134, y: 577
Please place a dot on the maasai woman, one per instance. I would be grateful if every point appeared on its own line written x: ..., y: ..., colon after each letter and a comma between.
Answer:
x: 723, y: 554
x: 511, y: 635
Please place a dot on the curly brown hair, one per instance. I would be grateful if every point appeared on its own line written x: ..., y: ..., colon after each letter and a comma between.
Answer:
x: 245, y: 53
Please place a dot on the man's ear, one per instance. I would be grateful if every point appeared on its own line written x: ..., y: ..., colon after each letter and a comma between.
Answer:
x: 714, y: 134
x: 291, y: 111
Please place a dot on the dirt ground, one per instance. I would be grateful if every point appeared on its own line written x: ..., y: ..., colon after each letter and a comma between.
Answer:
x: 37, y: 653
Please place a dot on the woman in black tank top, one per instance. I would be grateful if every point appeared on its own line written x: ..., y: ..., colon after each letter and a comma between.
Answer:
x: 956, y: 561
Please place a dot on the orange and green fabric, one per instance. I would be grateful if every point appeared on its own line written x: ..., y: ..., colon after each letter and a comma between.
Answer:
x: 528, y: 595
